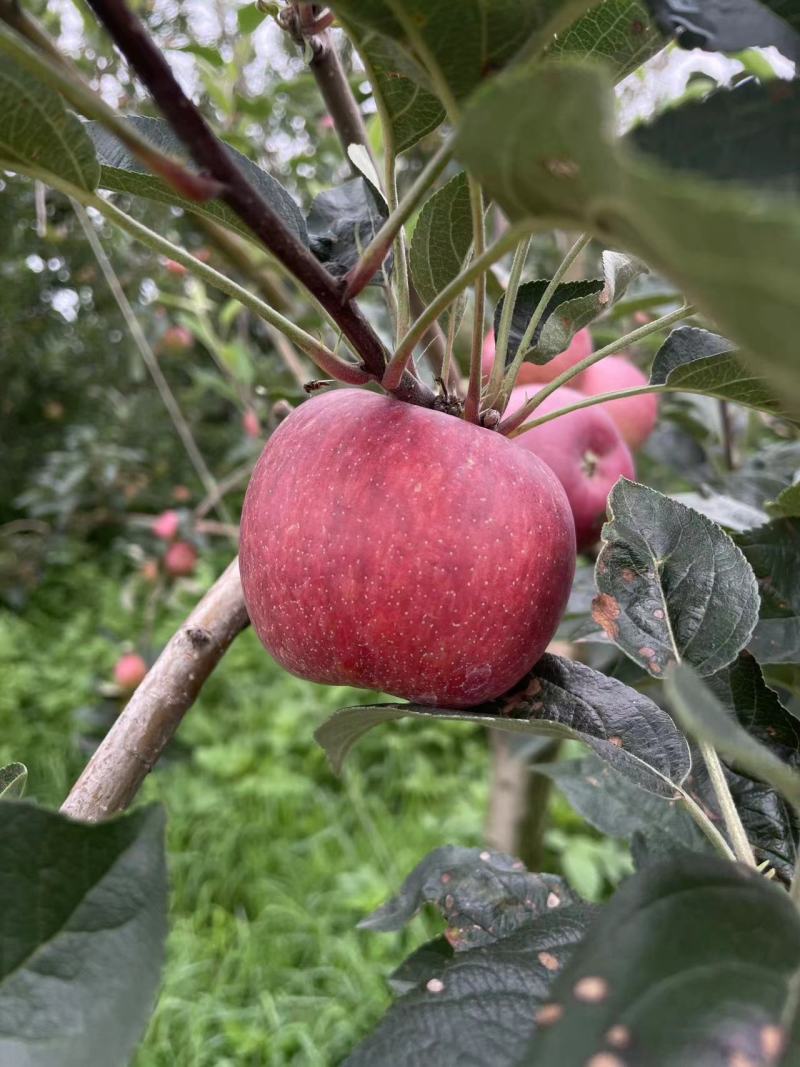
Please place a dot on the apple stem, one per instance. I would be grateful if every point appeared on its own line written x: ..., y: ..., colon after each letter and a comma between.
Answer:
x: 506, y: 317
x: 507, y: 426
x: 133, y: 745
x: 472, y: 405
x: 590, y: 401
x: 536, y: 318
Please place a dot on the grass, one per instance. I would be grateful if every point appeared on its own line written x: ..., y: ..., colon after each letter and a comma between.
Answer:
x: 272, y: 859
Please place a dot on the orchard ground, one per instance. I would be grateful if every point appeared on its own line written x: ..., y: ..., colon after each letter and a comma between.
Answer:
x: 272, y: 859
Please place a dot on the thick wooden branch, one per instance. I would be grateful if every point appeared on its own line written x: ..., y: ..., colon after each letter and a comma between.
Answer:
x: 146, y: 725
x: 145, y: 58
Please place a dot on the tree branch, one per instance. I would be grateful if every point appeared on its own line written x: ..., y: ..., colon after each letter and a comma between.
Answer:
x: 210, y: 155
x: 326, y: 66
x: 146, y: 725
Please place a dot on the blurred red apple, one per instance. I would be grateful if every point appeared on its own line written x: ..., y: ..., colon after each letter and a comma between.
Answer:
x: 149, y: 570
x: 586, y: 452
x: 177, y: 269
x: 176, y: 339
x: 392, y: 547
x: 129, y: 671
x: 180, y: 559
x: 166, y: 526
x: 251, y: 424
x: 580, y: 347
x: 181, y: 493
x: 635, y: 416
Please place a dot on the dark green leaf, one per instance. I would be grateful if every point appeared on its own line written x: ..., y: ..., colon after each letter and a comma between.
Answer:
x: 724, y: 510
x: 773, y: 551
x: 573, y: 173
x: 482, y: 896
x: 82, y: 928
x: 452, y: 47
x: 36, y: 128
x: 764, y: 474
x: 673, y: 586
x: 758, y: 143
x: 558, y: 698
x: 619, y: 31
x: 13, y: 779
x: 572, y: 306
x: 442, y: 238
x: 777, y: 640
x: 615, y: 806
x: 123, y: 173
x: 702, y: 362
x: 704, y: 717
x: 692, y: 962
x: 428, y: 961
x: 730, y: 25
x: 342, y: 222
x: 411, y: 110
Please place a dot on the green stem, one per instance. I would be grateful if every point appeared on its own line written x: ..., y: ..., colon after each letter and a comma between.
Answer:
x: 506, y: 316
x: 448, y: 352
x: 733, y: 822
x: 450, y: 293
x: 536, y: 318
x: 62, y: 77
x: 472, y: 405
x: 706, y: 825
x: 518, y: 418
x: 590, y: 401
x: 378, y: 248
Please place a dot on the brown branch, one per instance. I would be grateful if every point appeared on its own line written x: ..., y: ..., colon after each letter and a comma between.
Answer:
x: 137, y: 739
x: 210, y: 155
x: 326, y: 66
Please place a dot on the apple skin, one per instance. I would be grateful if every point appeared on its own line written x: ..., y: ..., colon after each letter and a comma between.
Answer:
x: 166, y: 526
x: 391, y: 547
x: 572, y: 444
x: 530, y: 373
x: 180, y: 559
x: 635, y: 416
x: 129, y: 671
x: 176, y: 339
x: 251, y: 424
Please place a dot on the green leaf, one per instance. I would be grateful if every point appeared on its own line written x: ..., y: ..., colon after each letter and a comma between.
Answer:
x: 249, y: 18
x: 573, y: 173
x: 82, y: 929
x: 442, y: 238
x: 482, y: 896
x: 693, y: 962
x: 703, y: 362
x: 411, y: 110
x: 773, y: 551
x: 13, y: 779
x: 341, y: 223
x: 787, y: 504
x: 619, y: 31
x: 730, y: 25
x: 558, y: 698
x: 615, y: 806
x: 703, y: 716
x: 724, y: 510
x: 121, y: 172
x: 572, y: 306
x: 764, y: 474
x: 36, y: 128
x: 672, y: 585
x: 426, y: 962
x: 452, y: 47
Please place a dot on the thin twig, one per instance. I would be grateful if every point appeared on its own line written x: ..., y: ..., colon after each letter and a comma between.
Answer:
x: 147, y: 724
x: 182, y: 428
x: 504, y: 332
x: 472, y: 404
x: 211, y: 156
x: 730, y: 815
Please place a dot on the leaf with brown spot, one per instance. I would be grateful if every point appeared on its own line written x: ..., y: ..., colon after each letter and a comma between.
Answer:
x: 694, y: 597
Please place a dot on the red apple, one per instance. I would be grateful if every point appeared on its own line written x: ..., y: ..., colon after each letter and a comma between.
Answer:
x: 180, y: 559
x: 182, y: 493
x: 129, y: 671
x: 636, y: 416
x: 251, y: 424
x: 396, y: 548
x: 586, y: 452
x: 149, y: 571
x: 175, y: 268
x: 176, y: 339
x: 580, y: 347
x: 166, y: 526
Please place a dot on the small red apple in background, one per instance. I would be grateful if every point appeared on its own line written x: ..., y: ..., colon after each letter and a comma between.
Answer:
x: 182, y: 493
x: 149, y: 570
x: 580, y: 347
x: 172, y: 267
x: 636, y: 416
x: 392, y: 547
x: 166, y: 526
x: 586, y: 452
x: 180, y: 559
x: 129, y: 671
x: 251, y: 424
x: 176, y: 339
